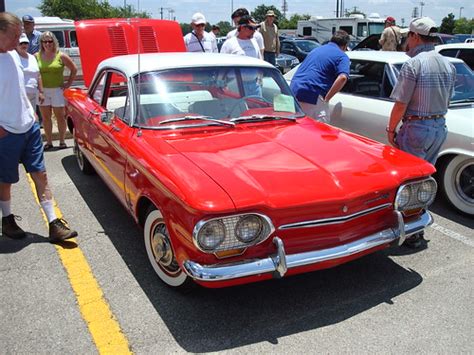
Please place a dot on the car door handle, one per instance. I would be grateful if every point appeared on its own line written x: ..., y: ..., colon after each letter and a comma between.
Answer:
x: 115, y: 128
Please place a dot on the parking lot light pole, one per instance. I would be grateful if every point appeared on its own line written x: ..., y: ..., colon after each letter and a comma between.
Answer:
x: 2, y: 5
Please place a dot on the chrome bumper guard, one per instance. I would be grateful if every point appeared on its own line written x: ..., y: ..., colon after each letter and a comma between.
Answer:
x: 280, y: 263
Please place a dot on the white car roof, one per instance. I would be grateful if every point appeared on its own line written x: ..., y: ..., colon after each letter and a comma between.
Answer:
x: 129, y: 65
x: 454, y: 46
x: 386, y: 56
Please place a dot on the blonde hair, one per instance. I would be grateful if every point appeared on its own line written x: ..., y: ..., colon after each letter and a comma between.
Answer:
x: 53, y: 37
x: 8, y: 20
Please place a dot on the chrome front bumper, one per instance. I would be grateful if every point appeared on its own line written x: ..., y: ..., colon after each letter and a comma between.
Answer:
x: 280, y: 263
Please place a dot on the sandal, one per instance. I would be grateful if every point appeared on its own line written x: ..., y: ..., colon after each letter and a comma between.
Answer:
x: 48, y: 147
x: 62, y: 146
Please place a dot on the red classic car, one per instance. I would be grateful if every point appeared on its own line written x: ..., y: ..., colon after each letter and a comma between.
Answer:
x: 232, y: 184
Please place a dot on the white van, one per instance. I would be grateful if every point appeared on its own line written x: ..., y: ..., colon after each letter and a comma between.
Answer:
x: 65, y: 32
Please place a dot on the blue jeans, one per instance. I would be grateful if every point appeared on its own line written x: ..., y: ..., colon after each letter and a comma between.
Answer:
x: 423, y: 138
x: 270, y: 57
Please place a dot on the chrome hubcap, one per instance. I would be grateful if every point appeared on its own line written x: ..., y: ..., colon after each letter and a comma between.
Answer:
x: 162, y: 250
x: 79, y: 157
x: 465, y: 182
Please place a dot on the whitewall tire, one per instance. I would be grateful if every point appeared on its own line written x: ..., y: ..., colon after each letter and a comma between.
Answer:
x: 457, y: 177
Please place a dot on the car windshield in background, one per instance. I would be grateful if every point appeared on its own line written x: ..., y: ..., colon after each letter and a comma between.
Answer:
x: 204, y: 95
x: 464, y: 87
x: 307, y: 46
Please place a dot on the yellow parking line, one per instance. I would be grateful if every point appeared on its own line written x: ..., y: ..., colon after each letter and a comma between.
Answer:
x: 102, y: 324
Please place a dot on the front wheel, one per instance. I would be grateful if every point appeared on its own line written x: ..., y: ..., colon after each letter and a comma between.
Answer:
x: 457, y: 177
x: 160, y: 251
x: 84, y: 164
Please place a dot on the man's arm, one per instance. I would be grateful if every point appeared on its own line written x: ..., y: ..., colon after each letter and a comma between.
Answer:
x: 398, y: 111
x: 336, y: 86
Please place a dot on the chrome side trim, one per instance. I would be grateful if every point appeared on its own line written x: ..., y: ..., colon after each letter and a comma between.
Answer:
x: 280, y: 262
x: 333, y: 220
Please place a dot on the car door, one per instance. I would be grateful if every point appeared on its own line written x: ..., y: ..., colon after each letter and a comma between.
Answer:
x: 112, y: 131
x: 363, y: 106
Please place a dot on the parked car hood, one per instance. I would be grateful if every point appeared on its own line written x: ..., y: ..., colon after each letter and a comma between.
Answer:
x: 295, y: 163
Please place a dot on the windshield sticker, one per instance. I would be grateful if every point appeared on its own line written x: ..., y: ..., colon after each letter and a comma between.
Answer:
x: 285, y: 103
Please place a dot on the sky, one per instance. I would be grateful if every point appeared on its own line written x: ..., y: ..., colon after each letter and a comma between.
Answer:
x: 220, y: 10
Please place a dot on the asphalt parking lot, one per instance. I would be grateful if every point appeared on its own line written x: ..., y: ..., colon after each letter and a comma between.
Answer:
x: 396, y: 301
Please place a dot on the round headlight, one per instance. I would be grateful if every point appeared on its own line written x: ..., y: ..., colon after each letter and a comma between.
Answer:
x: 211, y: 235
x: 248, y: 228
x: 426, y: 191
x: 403, y: 197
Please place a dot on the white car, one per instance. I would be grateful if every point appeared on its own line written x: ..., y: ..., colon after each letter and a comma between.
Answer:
x: 464, y: 51
x: 364, y: 107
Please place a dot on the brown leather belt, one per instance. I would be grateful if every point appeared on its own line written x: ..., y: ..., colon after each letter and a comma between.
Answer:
x: 422, y: 118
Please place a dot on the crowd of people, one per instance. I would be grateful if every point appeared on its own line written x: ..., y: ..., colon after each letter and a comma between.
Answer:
x: 33, y: 67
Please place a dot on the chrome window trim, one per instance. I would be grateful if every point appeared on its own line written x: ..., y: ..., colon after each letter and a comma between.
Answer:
x: 199, y: 225
x: 333, y: 220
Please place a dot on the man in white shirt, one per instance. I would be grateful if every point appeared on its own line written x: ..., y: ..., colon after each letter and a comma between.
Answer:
x: 244, y: 44
x: 199, y: 40
x: 20, y: 138
x: 236, y: 16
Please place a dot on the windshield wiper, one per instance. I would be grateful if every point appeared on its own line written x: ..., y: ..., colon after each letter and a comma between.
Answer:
x: 265, y: 117
x: 197, y: 118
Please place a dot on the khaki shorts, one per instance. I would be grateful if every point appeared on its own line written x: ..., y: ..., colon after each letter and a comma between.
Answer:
x: 53, y: 97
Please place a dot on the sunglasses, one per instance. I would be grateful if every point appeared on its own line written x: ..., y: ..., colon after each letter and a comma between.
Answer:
x: 250, y: 27
x: 200, y: 25
x: 47, y: 41
x: 24, y: 43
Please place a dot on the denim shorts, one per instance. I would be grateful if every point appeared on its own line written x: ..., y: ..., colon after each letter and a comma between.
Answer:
x: 25, y: 148
x: 423, y: 138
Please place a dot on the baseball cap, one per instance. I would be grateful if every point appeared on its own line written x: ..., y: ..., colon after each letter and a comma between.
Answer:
x: 23, y: 39
x: 247, y: 20
x: 423, y: 26
x: 28, y: 18
x: 270, y: 13
x: 198, y: 19
x: 390, y: 19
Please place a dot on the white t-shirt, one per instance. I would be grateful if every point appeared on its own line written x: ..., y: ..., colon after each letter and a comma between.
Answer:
x: 208, y: 42
x: 16, y: 113
x: 248, y: 47
x: 257, y: 36
x: 30, y: 71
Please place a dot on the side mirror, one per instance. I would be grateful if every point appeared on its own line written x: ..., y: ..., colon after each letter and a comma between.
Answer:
x: 106, y: 117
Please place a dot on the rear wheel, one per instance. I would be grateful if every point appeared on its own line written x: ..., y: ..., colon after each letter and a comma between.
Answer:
x: 160, y: 251
x: 82, y: 161
x: 457, y: 182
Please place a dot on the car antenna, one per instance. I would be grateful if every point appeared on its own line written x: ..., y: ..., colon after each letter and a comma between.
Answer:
x: 139, y: 132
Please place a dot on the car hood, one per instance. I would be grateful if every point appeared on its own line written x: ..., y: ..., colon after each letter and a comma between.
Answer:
x: 296, y: 163
x: 122, y: 37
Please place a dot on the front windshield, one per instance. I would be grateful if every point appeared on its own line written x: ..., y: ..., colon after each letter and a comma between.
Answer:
x: 464, y: 86
x: 376, y: 28
x: 307, y: 46
x: 211, y: 93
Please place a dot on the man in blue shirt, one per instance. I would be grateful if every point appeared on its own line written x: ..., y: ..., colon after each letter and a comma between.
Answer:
x: 32, y: 34
x: 322, y: 74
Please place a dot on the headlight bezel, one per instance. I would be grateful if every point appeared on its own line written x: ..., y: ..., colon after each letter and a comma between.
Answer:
x: 414, y: 202
x: 231, y: 242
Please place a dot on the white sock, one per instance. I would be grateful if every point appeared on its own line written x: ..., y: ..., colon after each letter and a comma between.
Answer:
x: 5, y: 206
x: 48, y: 208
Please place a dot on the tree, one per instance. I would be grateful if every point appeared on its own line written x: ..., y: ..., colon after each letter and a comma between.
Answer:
x: 447, y: 24
x: 225, y: 27
x: 260, y: 11
x: 463, y: 25
x: 292, y: 23
x: 86, y: 9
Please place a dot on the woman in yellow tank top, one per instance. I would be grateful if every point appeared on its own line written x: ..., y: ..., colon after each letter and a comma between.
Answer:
x: 51, y: 63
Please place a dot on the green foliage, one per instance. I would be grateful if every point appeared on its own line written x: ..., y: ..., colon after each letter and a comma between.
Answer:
x: 225, y: 27
x: 87, y: 9
x: 463, y: 25
x: 447, y: 24
x: 260, y: 11
x: 292, y: 23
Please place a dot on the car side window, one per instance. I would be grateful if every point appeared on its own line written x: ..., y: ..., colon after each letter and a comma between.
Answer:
x: 449, y: 52
x: 116, y: 97
x: 367, y: 79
